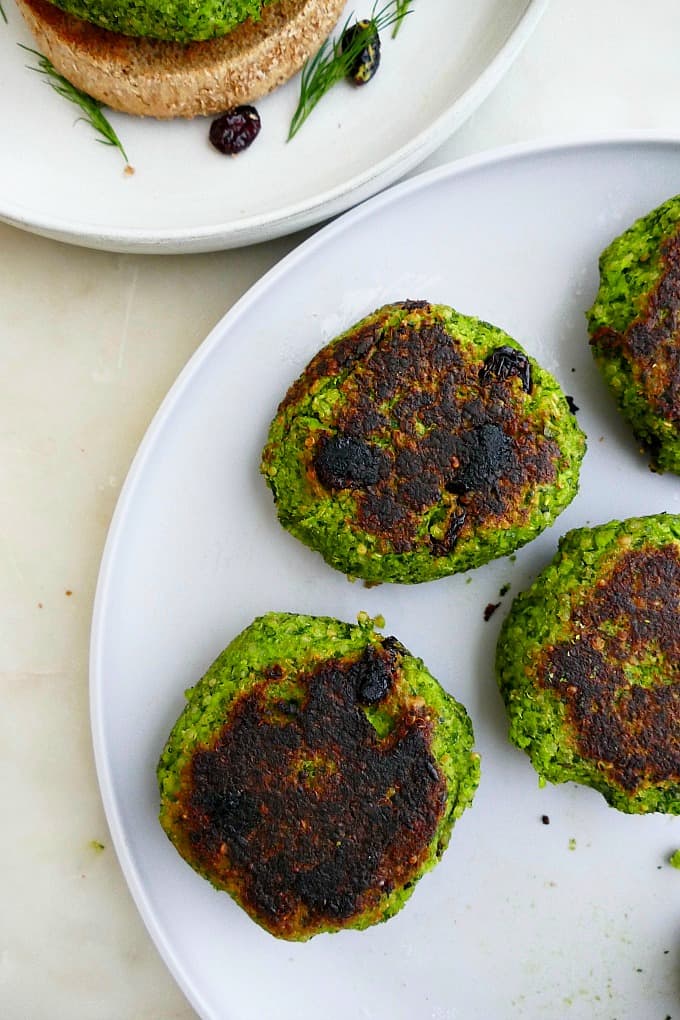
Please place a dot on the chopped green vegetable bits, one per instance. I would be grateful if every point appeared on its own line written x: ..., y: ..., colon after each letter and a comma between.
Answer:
x: 173, y: 20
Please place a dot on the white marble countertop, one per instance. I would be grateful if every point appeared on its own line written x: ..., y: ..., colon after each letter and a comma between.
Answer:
x: 90, y: 344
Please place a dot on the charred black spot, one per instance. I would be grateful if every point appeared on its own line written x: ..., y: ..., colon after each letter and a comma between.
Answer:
x: 372, y: 676
x: 438, y: 448
x: 573, y: 407
x: 408, y: 464
x: 343, y: 462
x: 485, y: 454
x: 421, y: 491
x: 643, y: 339
x: 287, y: 707
x: 232, y: 813
x: 320, y: 887
x: 505, y: 362
x: 383, y: 508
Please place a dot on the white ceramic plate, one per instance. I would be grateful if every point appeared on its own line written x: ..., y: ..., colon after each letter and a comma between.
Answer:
x: 56, y: 180
x: 512, y: 923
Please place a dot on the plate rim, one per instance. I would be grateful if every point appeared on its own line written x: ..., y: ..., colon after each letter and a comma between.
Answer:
x: 506, y: 154
x: 305, y: 213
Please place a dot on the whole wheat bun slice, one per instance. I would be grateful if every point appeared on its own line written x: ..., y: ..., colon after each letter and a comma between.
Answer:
x: 154, y: 78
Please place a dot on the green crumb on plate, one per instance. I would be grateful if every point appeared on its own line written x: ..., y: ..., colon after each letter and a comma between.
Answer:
x: 674, y: 859
x: 572, y: 843
x: 97, y: 846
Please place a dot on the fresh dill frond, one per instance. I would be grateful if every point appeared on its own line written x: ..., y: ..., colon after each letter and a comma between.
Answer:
x: 92, y: 108
x: 332, y: 63
x: 402, y: 8
x: 2, y: 14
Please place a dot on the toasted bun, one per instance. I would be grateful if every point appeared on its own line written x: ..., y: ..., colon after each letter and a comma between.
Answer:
x: 154, y: 78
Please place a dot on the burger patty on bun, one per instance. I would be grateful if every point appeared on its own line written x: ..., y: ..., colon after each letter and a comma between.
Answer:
x: 165, y: 77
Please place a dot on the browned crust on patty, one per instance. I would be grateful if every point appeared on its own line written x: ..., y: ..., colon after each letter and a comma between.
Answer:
x: 478, y: 456
x: 162, y: 79
x: 300, y: 810
x: 630, y: 619
x: 651, y: 343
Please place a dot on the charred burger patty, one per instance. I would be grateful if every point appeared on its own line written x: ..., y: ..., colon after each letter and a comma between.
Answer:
x: 419, y: 443
x: 316, y: 773
x: 588, y: 662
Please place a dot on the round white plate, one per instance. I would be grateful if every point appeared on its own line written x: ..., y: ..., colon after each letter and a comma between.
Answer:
x: 184, y: 196
x: 517, y: 921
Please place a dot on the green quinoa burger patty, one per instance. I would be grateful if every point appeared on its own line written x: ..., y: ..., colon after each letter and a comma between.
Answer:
x: 419, y: 443
x: 588, y: 663
x: 634, y: 327
x: 174, y: 20
x: 315, y: 774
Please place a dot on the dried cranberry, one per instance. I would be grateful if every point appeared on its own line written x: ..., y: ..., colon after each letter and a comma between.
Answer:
x: 367, y: 60
x: 485, y: 455
x: 372, y: 677
x: 235, y: 130
x: 394, y: 646
x: 505, y: 362
x: 445, y: 545
x: 490, y: 610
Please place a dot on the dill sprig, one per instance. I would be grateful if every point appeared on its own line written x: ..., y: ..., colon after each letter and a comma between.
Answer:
x: 331, y: 64
x: 2, y: 14
x: 92, y: 108
x: 401, y: 9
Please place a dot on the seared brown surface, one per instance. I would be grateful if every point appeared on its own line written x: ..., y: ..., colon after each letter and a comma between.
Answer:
x: 301, y: 810
x: 423, y: 425
x: 651, y: 343
x: 631, y: 620
x: 164, y: 79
